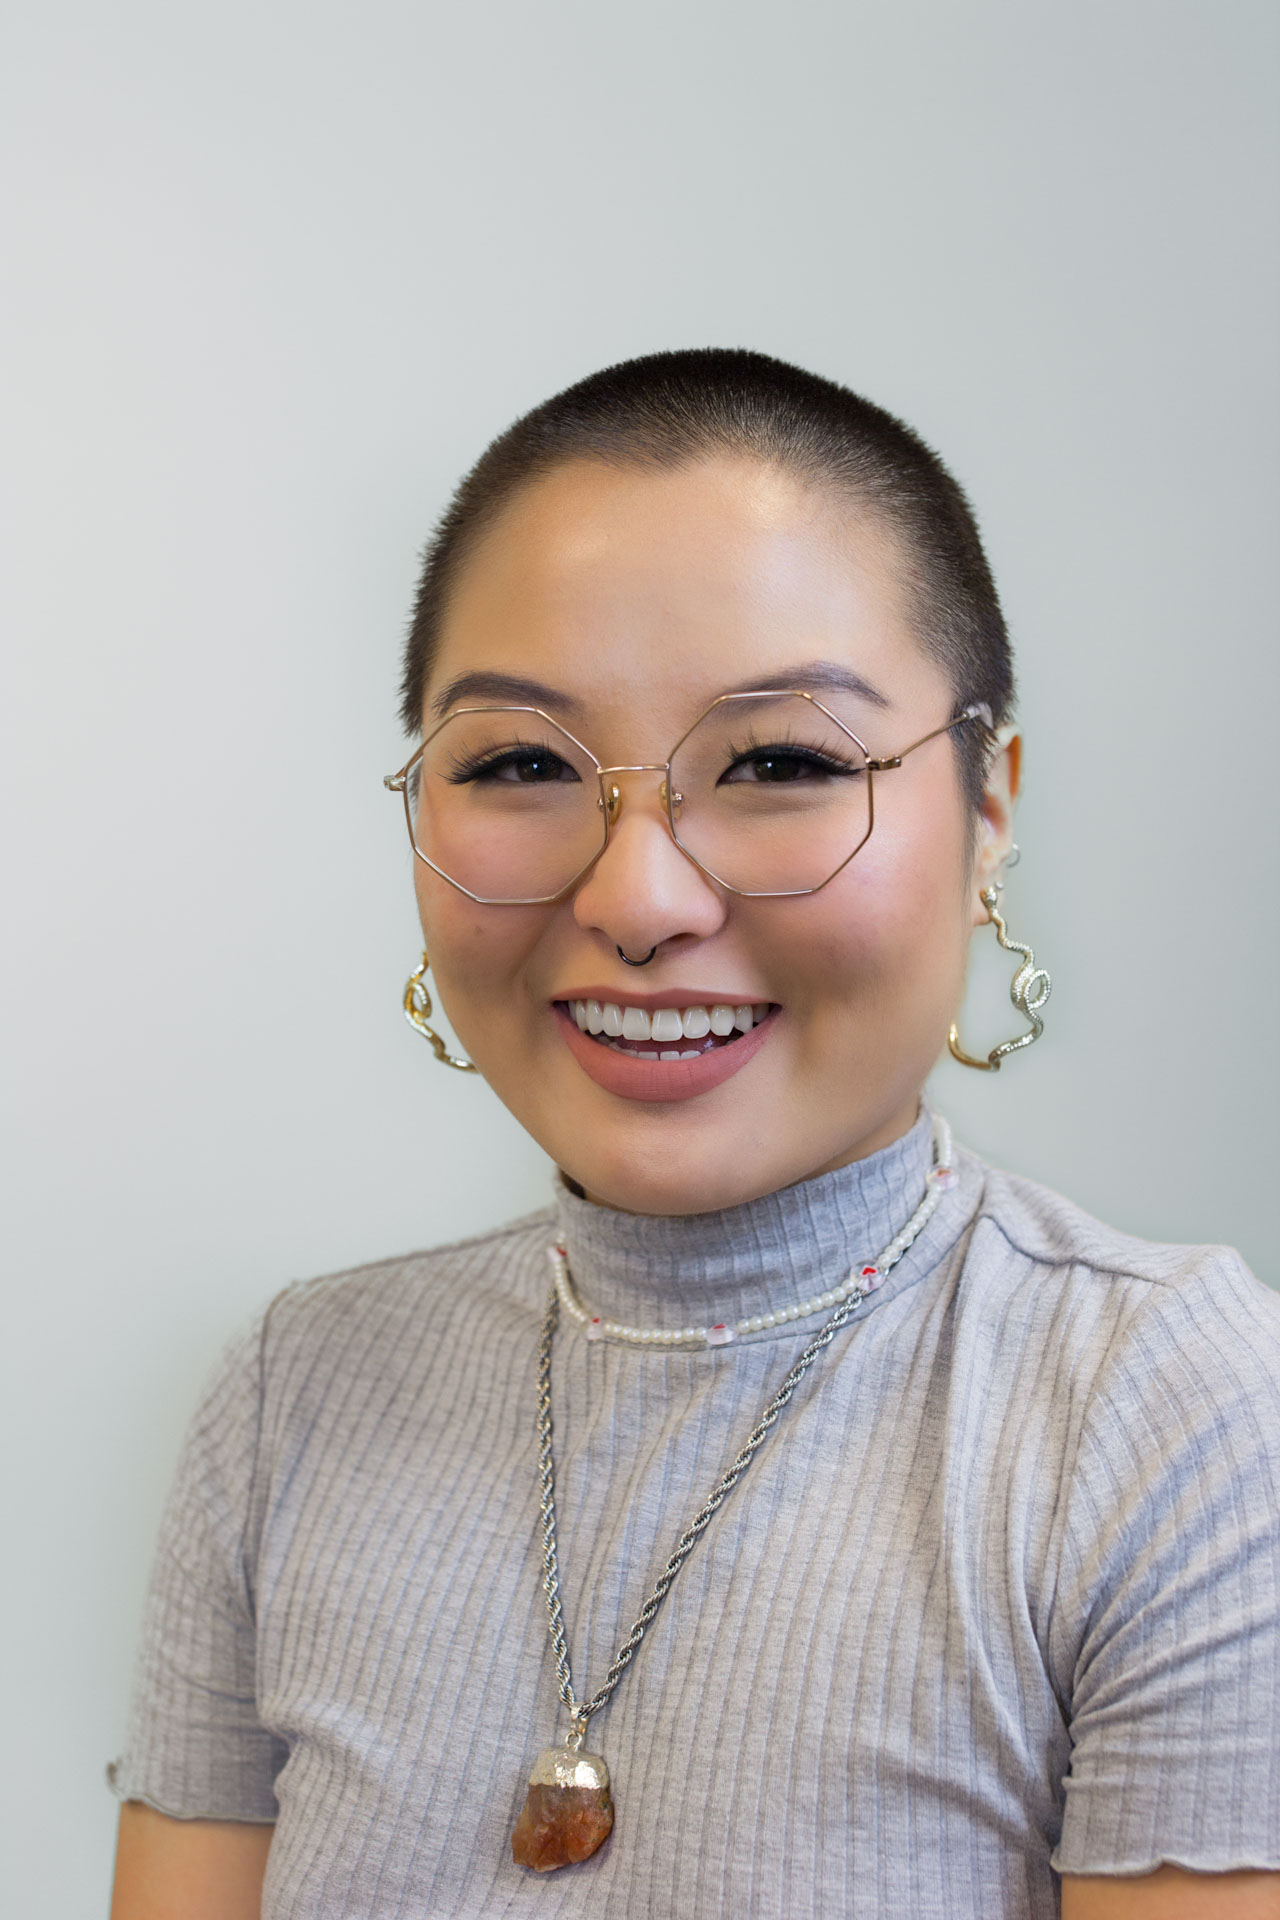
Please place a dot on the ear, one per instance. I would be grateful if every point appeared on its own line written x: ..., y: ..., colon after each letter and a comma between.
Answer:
x: 995, y: 830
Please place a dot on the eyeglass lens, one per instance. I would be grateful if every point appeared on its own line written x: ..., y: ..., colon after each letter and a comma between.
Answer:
x: 770, y: 794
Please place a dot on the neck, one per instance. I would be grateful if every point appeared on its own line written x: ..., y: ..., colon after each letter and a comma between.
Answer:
x: 754, y: 1259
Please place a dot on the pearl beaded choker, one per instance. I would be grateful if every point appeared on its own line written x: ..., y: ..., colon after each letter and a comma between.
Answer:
x: 861, y: 1280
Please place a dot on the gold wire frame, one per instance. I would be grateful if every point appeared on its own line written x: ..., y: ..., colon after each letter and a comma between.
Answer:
x: 610, y: 800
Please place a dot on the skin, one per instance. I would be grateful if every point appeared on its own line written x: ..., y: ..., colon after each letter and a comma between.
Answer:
x: 187, y: 1869
x: 646, y: 595
x: 1172, y: 1894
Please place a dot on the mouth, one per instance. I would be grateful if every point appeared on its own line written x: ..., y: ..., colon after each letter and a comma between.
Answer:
x: 671, y: 1052
x: 666, y: 1033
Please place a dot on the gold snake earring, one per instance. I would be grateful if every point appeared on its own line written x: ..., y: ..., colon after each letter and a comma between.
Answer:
x: 1030, y: 990
x: 417, y: 1011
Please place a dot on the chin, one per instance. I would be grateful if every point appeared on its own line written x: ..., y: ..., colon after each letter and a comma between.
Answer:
x: 674, y: 1177
x: 754, y: 1134
x: 663, y: 1195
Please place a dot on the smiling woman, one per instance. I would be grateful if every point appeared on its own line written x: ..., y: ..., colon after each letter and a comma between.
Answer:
x: 976, y: 1496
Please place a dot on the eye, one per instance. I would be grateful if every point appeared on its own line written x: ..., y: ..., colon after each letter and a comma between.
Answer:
x: 519, y: 764
x: 774, y: 765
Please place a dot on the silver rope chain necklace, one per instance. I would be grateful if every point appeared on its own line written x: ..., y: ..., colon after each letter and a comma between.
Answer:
x: 569, y: 1811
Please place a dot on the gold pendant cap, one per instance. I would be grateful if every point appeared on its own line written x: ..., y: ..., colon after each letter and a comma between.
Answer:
x: 562, y: 1767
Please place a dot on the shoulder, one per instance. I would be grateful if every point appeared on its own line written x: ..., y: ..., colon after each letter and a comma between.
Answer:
x: 1135, y: 1319
x: 384, y: 1319
x: 1046, y: 1234
x: 1050, y: 1231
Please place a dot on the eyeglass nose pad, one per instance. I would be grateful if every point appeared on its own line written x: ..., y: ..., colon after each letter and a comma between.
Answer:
x: 611, y: 801
x: 668, y: 798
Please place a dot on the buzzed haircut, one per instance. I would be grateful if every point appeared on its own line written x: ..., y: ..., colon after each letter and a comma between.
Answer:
x: 669, y: 410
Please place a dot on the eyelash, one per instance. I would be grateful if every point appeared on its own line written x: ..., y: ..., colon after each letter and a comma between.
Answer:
x: 789, y: 750
x: 492, y: 759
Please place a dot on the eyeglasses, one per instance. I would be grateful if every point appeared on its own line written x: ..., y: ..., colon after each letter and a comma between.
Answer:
x: 770, y: 794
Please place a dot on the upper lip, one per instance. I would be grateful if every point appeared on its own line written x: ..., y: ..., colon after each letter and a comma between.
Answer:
x: 669, y: 997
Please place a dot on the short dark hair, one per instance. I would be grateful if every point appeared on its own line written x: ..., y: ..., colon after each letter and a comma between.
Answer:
x: 671, y: 409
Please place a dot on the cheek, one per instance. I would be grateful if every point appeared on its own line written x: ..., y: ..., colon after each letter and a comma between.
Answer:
x: 889, y: 931
x: 477, y: 953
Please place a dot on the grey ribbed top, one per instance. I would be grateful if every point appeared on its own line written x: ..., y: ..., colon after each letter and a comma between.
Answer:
x: 999, y: 1595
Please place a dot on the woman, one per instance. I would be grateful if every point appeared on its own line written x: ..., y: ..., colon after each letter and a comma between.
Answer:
x: 977, y: 1610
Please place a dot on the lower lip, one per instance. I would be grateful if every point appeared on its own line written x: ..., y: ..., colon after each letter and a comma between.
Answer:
x: 632, y: 1078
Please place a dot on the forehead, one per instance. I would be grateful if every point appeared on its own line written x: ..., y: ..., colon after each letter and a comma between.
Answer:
x: 664, y: 587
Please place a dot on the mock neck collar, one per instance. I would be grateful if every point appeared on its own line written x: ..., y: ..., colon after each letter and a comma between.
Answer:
x: 671, y: 1270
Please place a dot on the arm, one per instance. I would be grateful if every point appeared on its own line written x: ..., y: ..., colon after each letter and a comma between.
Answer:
x: 1171, y: 1894
x: 1169, y: 1583
x: 196, y: 1746
x: 187, y: 1869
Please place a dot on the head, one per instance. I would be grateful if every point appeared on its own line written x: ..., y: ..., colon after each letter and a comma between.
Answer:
x: 653, y: 537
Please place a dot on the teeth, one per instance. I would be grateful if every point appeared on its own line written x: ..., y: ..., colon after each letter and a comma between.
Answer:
x: 614, y: 1022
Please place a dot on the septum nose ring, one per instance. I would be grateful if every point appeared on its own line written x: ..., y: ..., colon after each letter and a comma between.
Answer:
x: 613, y: 803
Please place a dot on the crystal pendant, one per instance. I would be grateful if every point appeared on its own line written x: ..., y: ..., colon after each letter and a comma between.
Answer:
x: 568, y: 1812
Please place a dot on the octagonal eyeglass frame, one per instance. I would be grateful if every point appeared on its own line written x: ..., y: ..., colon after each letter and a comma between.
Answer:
x: 611, y: 799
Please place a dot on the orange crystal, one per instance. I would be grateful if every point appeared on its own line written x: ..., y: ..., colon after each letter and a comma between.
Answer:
x: 568, y: 1812
x: 558, y: 1826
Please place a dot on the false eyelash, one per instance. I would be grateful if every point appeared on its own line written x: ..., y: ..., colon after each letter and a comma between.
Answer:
x: 487, y: 759
x: 753, y: 746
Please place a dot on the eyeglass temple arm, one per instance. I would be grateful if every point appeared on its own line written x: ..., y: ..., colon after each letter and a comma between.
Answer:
x: 980, y: 712
x: 397, y: 782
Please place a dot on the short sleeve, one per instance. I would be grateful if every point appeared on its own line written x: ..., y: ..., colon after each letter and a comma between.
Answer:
x: 1172, y: 1567
x: 195, y: 1746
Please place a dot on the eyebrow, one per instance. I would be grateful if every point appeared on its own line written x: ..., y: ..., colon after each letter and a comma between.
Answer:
x: 814, y: 676
x: 509, y: 688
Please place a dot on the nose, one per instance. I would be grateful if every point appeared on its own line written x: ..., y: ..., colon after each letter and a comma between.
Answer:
x: 644, y: 890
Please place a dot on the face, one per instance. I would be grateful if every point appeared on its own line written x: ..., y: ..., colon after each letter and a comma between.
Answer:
x: 634, y: 599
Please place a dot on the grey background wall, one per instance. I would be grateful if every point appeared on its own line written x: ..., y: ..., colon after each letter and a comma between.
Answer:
x: 275, y: 274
